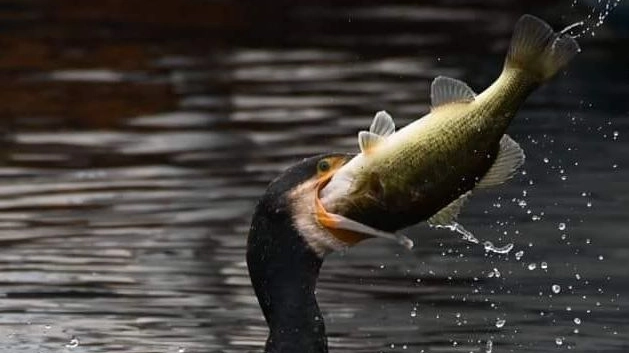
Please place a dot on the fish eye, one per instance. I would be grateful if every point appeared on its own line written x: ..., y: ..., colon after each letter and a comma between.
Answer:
x: 323, y: 165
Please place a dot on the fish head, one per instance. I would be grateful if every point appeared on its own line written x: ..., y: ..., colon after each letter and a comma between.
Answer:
x: 343, y: 229
x: 327, y: 167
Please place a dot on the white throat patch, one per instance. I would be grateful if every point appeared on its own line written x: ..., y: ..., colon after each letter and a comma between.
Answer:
x: 302, y: 199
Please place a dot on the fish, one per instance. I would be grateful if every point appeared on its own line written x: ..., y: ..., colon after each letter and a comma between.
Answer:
x: 429, y: 169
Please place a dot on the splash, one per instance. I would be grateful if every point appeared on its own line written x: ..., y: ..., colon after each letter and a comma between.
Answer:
x: 456, y: 227
x: 490, y: 247
x: 595, y: 18
x: 567, y: 31
x: 74, y: 342
x: 468, y: 236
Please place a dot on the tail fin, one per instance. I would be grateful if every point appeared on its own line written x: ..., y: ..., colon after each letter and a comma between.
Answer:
x: 537, y: 49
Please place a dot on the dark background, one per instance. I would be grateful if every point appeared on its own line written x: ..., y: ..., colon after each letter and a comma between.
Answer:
x: 137, y: 135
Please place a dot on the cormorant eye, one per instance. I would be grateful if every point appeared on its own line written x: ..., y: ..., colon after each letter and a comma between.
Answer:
x: 323, y: 166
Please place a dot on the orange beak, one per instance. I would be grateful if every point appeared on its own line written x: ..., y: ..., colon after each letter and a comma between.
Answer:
x: 325, y: 219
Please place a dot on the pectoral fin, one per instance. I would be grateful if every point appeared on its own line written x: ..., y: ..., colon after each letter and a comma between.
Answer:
x: 510, y: 158
x: 446, y: 90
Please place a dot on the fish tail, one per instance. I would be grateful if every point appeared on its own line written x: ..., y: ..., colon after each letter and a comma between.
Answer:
x: 537, y: 49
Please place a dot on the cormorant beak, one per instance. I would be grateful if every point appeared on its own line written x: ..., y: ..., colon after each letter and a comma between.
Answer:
x: 328, y: 220
x: 346, y: 230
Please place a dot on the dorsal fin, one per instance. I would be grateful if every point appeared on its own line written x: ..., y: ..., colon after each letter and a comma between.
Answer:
x: 381, y: 127
x: 510, y: 158
x: 445, y: 90
x: 368, y: 140
x: 382, y: 124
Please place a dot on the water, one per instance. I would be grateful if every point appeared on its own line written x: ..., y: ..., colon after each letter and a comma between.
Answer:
x: 137, y: 137
x: 599, y: 10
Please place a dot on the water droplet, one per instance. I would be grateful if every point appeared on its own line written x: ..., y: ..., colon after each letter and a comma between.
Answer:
x: 489, y: 346
x: 519, y: 254
x: 600, y: 257
x: 562, y: 226
x: 414, y: 312
x: 74, y: 342
x: 546, y: 160
x: 577, y: 321
x: 532, y: 266
x: 500, y: 323
x: 543, y: 265
x: 495, y: 272
x: 556, y: 288
x: 559, y: 341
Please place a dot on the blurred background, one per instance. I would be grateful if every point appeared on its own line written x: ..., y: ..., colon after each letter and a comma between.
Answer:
x: 137, y: 135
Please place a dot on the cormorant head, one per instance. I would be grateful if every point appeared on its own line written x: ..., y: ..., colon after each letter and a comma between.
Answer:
x: 291, y: 200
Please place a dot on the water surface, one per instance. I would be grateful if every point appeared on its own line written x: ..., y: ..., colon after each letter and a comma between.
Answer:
x: 137, y: 136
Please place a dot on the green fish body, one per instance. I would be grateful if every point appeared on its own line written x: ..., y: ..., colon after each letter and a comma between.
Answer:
x: 428, y: 169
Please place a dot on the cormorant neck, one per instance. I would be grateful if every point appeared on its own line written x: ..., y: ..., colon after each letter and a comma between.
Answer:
x: 284, y: 271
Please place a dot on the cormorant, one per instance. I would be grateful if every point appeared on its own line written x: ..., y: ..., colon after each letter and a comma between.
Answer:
x: 285, y: 251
